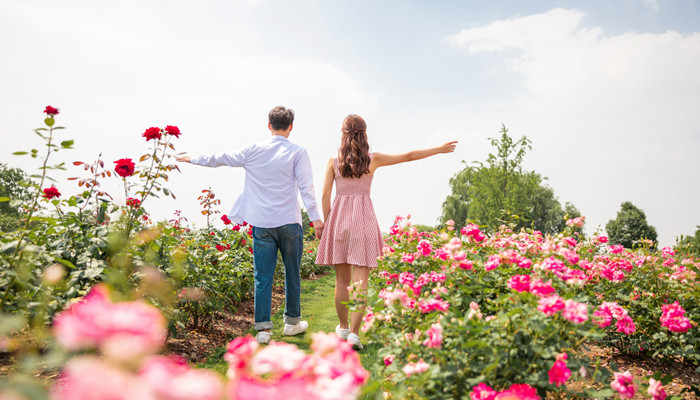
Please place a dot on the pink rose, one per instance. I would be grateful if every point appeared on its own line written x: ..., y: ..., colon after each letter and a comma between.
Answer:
x: 482, y: 392
x: 551, y: 305
x: 575, y: 312
x: 171, y: 378
x: 656, y: 391
x: 520, y: 283
x: 434, y: 339
x: 624, y: 384
x: 122, y: 330
x: 415, y: 368
x: 559, y: 373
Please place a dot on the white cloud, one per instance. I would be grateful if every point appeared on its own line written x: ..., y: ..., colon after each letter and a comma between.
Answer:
x: 613, y: 118
x: 652, y: 4
x: 114, y: 74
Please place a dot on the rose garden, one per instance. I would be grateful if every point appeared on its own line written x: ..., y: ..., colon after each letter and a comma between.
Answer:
x: 91, y: 290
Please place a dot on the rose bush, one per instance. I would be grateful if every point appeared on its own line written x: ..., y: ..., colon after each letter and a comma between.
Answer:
x: 517, y: 308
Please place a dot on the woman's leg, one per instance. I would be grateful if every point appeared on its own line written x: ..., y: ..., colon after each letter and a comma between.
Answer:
x: 360, y: 276
x: 343, y: 276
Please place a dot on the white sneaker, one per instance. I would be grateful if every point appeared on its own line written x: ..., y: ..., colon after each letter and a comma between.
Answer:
x: 342, y: 333
x: 263, y: 337
x: 291, y: 330
x: 354, y: 340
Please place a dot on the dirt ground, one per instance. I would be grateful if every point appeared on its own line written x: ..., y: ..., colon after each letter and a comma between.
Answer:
x: 195, y: 346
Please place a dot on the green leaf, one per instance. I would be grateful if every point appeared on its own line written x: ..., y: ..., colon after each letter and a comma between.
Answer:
x: 4, y: 199
x: 67, y: 144
x: 66, y: 263
x: 20, y: 153
x: 49, y: 121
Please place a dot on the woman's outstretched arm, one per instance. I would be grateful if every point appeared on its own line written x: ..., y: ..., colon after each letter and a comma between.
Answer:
x: 382, y: 160
x: 327, y: 189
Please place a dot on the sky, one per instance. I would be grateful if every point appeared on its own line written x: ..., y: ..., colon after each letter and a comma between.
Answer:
x: 607, y: 91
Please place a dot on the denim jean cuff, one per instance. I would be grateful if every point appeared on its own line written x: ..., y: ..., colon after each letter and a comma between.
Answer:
x: 291, y: 320
x: 262, y: 325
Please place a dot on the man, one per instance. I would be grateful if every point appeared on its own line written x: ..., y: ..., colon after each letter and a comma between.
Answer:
x: 276, y: 170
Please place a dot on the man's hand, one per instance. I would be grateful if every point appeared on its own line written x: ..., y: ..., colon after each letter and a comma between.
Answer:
x: 183, y: 158
x: 318, y: 226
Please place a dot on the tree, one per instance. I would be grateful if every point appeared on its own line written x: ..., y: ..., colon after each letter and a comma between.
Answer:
x: 630, y: 227
x: 689, y: 244
x: 12, y: 188
x: 499, y: 191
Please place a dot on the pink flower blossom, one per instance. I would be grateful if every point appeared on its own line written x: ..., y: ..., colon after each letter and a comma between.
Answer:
x: 520, y: 283
x: 493, y: 262
x: 656, y: 391
x: 578, y: 221
x: 518, y: 391
x: 172, y: 379
x: 673, y: 317
x: 415, y: 367
x: 667, y: 252
x: 551, y: 305
x: 624, y: 384
x: 434, y: 339
x: 617, y: 248
x: 429, y: 305
x: 407, y: 258
x: 602, y: 239
x: 124, y: 330
x: 388, y: 360
x: 559, y: 373
x: 88, y: 377
x: 541, y: 289
x: 626, y: 325
x: 575, y: 312
x: 424, y: 248
x: 471, y: 231
x: 368, y: 321
x: 483, y: 392
x: 252, y: 388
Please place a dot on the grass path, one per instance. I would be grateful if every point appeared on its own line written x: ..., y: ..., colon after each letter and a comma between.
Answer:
x: 318, y: 309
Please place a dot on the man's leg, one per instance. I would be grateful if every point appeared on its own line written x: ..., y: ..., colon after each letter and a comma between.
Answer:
x: 265, y: 260
x: 291, y: 246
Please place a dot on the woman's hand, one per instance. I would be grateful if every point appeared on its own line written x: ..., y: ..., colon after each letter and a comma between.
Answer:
x: 183, y: 158
x: 448, y: 147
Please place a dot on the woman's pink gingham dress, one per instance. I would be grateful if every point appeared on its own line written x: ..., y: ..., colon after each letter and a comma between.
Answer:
x: 351, y: 234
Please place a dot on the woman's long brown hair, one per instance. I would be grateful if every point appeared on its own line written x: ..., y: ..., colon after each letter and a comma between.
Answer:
x: 353, y: 160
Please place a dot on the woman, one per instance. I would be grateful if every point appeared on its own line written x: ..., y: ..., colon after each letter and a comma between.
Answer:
x: 351, y: 240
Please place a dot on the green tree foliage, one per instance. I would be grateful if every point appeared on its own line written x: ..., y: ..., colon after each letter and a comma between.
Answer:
x: 306, y: 228
x: 689, y: 244
x: 499, y: 191
x: 630, y: 227
x: 12, y: 189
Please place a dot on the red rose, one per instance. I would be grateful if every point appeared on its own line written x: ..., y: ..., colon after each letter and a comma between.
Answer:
x: 172, y: 130
x: 236, y: 227
x: 51, y: 111
x: 220, y: 247
x: 51, y: 192
x: 125, y: 167
x: 133, y: 202
x: 225, y: 219
x: 152, y: 133
x: 311, y: 224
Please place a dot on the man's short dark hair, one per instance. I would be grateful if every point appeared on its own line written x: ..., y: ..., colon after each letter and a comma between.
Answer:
x: 280, y: 118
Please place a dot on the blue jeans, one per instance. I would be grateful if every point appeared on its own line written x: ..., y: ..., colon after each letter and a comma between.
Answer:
x: 288, y: 239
